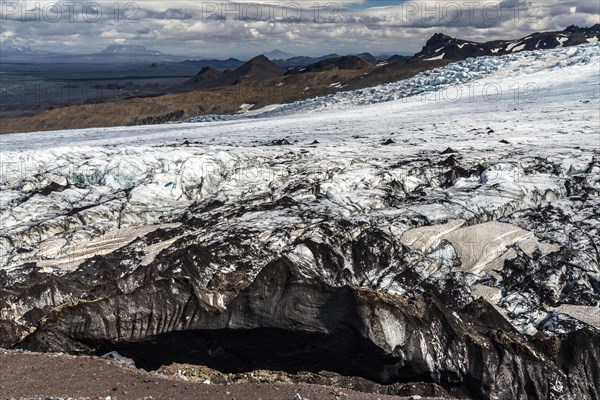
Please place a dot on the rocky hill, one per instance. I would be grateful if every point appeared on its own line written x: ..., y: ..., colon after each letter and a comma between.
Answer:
x: 204, y: 79
x: 345, y: 62
x: 257, y: 69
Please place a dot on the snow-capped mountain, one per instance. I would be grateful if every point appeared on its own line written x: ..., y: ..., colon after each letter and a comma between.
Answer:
x: 441, y: 46
x: 278, y: 55
x: 129, y: 49
x: 439, y: 229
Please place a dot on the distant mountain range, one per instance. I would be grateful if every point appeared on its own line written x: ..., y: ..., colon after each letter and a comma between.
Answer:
x: 22, y: 52
x: 136, y: 54
x: 358, y: 70
x: 111, y: 54
x: 130, y: 50
x: 438, y: 47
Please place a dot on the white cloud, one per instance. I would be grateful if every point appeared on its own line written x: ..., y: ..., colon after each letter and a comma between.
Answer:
x: 236, y: 28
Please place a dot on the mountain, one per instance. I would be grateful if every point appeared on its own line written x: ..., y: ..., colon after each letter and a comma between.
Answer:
x: 111, y: 54
x: 385, y: 56
x: 203, y: 80
x: 230, y: 63
x: 368, y: 57
x: 441, y: 46
x: 207, y: 74
x: 130, y: 50
x: 575, y: 28
x: 301, y: 61
x: 344, y: 62
x: 24, y: 53
x: 278, y: 55
x: 257, y: 69
x: 397, y: 57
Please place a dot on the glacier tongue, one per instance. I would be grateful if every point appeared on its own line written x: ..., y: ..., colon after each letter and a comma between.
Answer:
x: 62, y: 205
x: 510, y: 213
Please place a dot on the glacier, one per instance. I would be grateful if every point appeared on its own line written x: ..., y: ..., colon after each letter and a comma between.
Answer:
x: 478, y: 181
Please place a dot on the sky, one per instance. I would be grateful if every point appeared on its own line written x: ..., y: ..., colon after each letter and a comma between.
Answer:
x: 195, y: 28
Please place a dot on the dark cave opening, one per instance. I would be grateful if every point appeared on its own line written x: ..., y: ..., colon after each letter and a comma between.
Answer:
x: 245, y: 350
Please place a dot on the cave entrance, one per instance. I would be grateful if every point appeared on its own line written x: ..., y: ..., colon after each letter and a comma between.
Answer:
x: 244, y: 350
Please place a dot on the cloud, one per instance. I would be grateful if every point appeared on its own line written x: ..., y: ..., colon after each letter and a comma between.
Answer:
x: 227, y: 28
x: 171, y: 13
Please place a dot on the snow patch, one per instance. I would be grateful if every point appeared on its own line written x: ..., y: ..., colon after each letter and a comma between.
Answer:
x: 440, y: 57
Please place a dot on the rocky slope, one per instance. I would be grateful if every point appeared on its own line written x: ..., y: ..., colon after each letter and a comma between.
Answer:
x: 454, y: 246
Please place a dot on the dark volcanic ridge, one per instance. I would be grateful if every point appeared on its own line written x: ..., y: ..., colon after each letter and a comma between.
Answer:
x: 345, y: 62
x: 441, y: 46
x: 257, y: 69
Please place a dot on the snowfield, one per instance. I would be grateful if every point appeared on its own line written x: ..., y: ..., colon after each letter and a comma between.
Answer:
x: 473, y: 177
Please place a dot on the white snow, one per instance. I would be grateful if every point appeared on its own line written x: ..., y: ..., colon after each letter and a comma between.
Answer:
x: 337, y: 85
x: 478, y: 246
x: 511, y: 46
x: 440, y: 57
x: 245, y: 107
x: 518, y: 48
